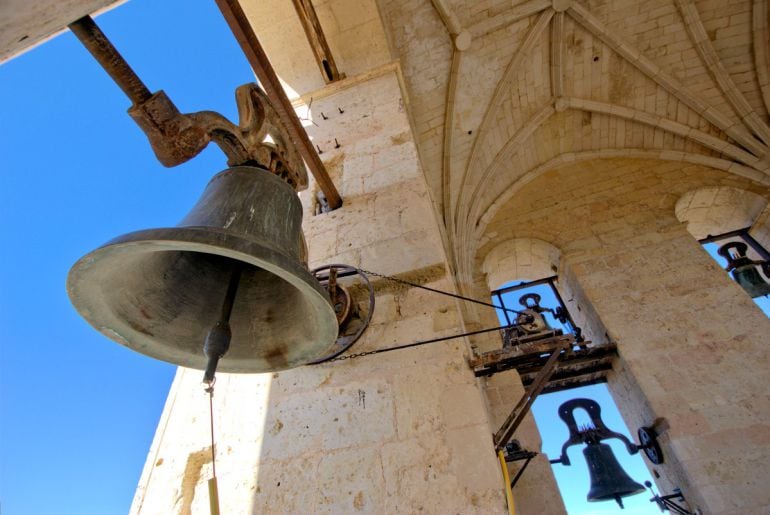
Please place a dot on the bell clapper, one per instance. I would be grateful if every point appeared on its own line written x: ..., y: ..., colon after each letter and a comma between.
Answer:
x: 216, y: 345
x: 218, y: 340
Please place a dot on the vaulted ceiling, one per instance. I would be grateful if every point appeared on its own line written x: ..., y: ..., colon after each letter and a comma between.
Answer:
x: 544, y: 84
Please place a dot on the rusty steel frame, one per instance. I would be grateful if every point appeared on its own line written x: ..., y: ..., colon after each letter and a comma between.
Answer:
x: 247, y: 39
x: 514, y: 419
x: 317, y: 39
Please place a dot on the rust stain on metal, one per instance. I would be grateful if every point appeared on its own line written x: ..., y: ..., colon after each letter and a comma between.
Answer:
x: 176, y: 137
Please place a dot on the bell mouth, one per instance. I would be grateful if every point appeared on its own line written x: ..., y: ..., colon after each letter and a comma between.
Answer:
x: 160, y: 291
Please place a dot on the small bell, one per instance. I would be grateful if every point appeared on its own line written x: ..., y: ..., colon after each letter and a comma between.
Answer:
x: 608, y: 479
x: 744, y: 270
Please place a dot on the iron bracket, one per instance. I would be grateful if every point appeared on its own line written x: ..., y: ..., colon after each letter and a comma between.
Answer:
x: 666, y: 502
x: 514, y: 452
x: 176, y: 137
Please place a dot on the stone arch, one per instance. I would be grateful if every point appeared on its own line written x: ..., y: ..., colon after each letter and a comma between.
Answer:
x: 716, y: 210
x: 520, y: 259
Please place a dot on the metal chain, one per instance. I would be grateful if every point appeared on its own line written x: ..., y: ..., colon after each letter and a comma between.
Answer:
x: 453, y: 295
x: 356, y: 355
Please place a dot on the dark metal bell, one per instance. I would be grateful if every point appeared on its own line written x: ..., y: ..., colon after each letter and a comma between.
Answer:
x: 750, y: 280
x: 160, y: 291
x: 608, y: 479
x: 744, y: 270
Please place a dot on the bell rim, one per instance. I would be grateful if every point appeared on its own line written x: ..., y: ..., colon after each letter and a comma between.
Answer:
x: 195, y: 239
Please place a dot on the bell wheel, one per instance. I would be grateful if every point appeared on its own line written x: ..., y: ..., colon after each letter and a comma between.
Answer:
x: 352, y: 297
x: 648, y: 442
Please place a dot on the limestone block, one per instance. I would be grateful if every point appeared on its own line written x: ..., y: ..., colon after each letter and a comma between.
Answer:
x: 761, y: 229
x: 345, y: 482
x: 523, y: 259
x: 281, y: 486
x: 444, y: 319
x: 716, y: 210
x: 416, y: 401
x: 413, y: 250
x: 461, y: 405
x: 419, y: 476
x: 357, y: 414
x: 468, y: 445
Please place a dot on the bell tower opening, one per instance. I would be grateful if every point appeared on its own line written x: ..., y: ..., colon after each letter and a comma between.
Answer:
x: 733, y: 226
x: 586, y: 380
x: 747, y: 262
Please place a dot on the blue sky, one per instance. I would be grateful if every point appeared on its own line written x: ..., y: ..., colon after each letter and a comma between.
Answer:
x: 78, y: 412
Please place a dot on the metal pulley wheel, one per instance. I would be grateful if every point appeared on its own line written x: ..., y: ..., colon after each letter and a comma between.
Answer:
x: 352, y: 297
x: 648, y: 442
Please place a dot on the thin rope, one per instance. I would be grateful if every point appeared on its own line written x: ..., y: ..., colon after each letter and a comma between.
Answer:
x: 210, y: 391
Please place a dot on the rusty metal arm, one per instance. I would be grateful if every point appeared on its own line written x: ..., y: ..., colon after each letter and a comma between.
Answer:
x: 244, y: 34
x: 517, y: 415
x: 91, y: 36
x: 317, y: 39
x: 176, y: 137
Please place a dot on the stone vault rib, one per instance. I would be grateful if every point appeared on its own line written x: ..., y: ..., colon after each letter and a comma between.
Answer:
x: 557, y: 55
x: 713, y: 64
x: 674, y: 87
x: 760, y: 43
x: 513, y: 188
x: 666, y: 124
x: 529, y: 40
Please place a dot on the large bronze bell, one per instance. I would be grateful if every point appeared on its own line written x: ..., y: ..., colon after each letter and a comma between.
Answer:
x: 160, y: 291
x: 608, y: 479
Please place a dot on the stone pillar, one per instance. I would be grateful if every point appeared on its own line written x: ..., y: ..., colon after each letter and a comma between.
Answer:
x: 695, y: 350
x: 536, y: 492
x: 760, y: 230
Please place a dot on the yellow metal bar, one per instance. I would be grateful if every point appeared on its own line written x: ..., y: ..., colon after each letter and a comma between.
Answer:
x: 507, y: 479
x: 214, y: 496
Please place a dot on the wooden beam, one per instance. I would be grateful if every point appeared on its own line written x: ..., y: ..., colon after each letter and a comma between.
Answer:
x: 244, y: 34
x: 317, y: 40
